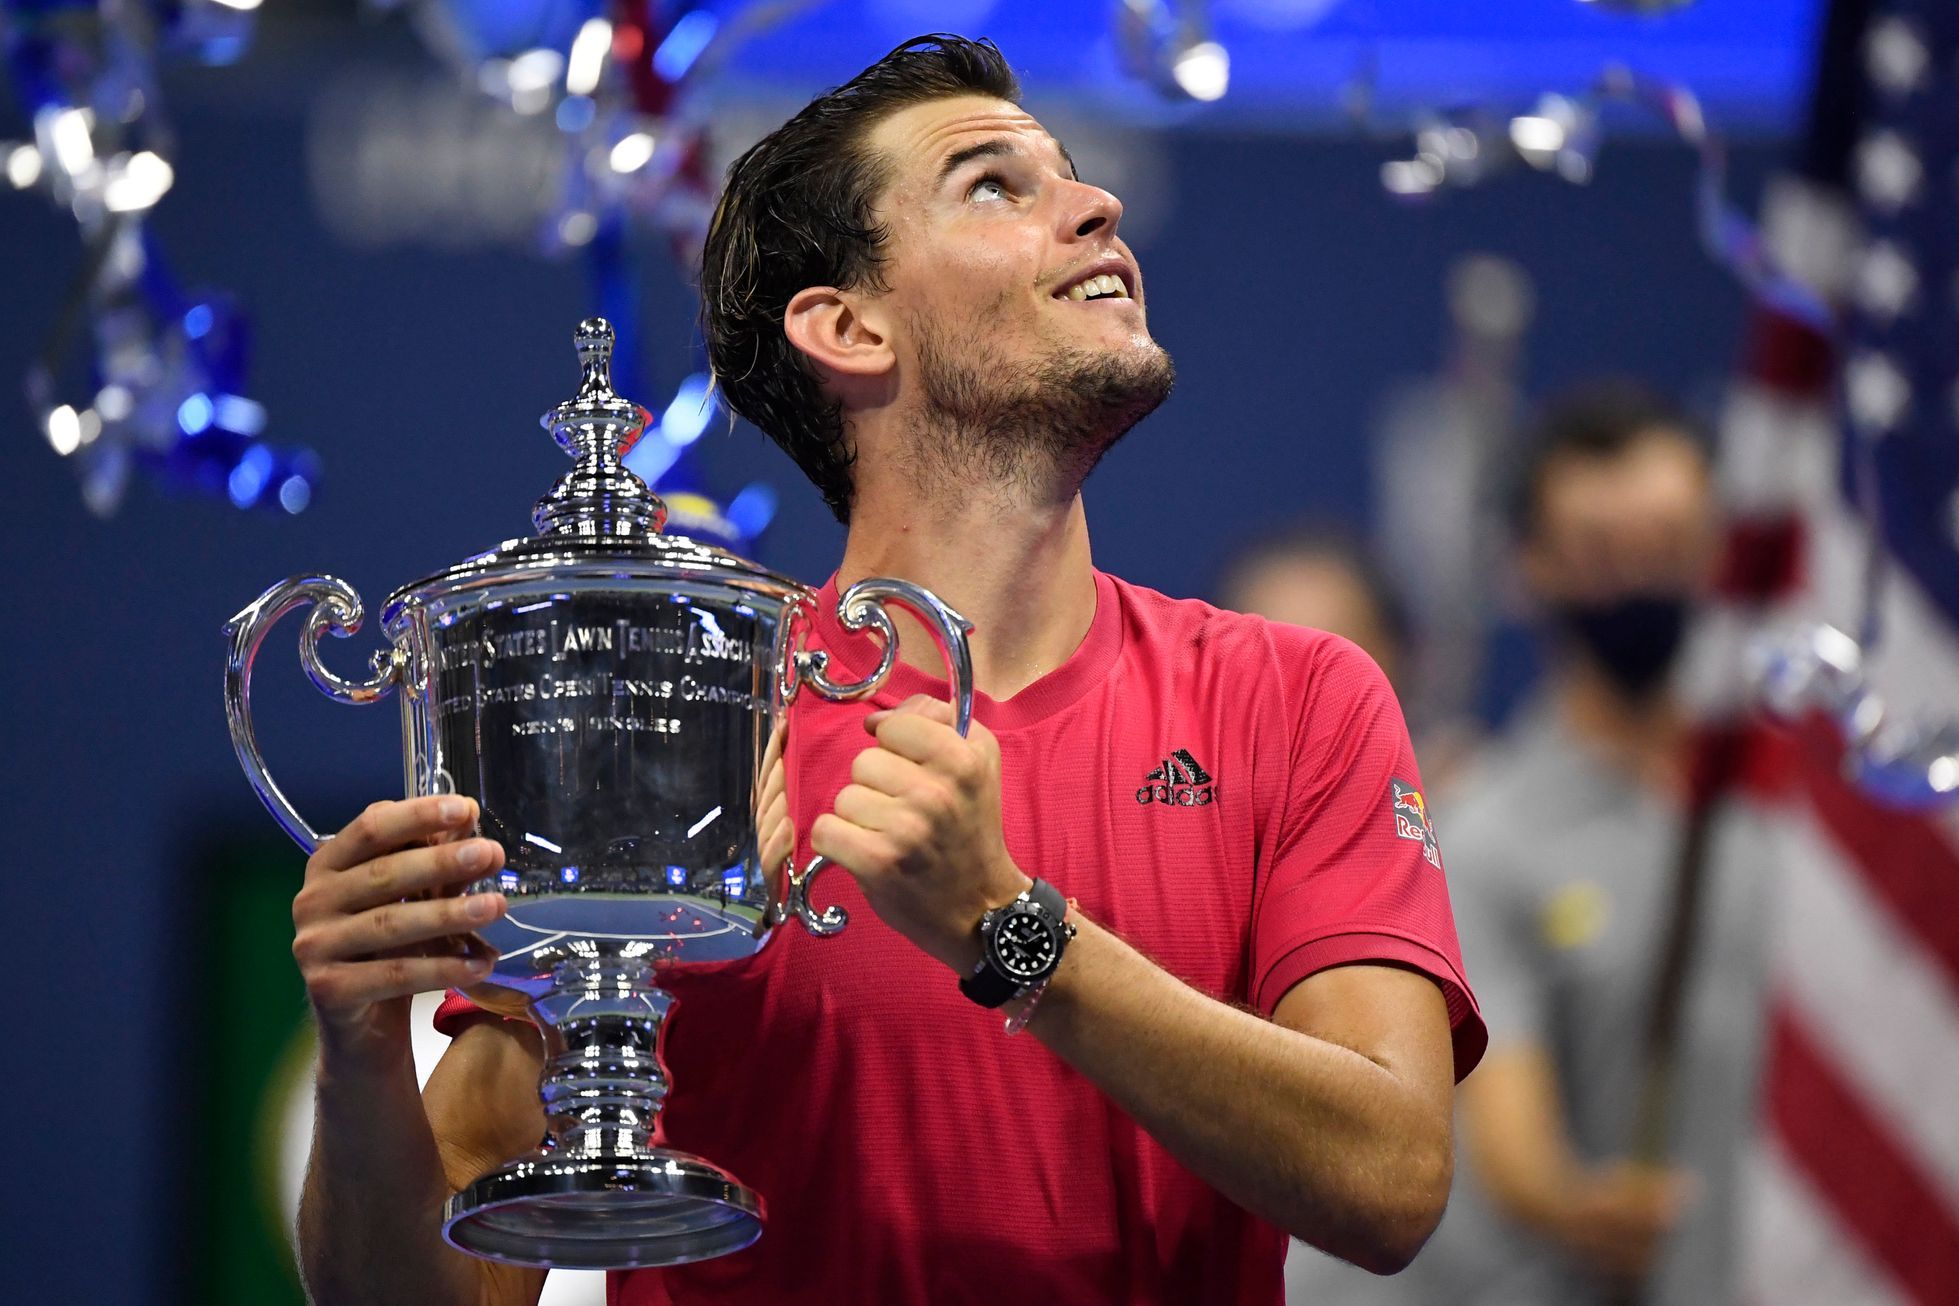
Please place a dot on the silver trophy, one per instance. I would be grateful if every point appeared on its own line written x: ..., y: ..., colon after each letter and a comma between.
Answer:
x: 606, y: 694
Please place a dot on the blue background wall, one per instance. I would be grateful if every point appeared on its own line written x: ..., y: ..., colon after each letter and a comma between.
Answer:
x: 1290, y: 291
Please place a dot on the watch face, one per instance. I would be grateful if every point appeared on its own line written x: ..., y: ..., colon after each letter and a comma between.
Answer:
x: 1023, y: 945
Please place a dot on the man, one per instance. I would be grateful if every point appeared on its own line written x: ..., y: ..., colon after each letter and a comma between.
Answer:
x: 909, y: 289
x: 1563, y: 848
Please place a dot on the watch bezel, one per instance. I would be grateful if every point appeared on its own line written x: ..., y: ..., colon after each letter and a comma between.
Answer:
x: 1022, y: 908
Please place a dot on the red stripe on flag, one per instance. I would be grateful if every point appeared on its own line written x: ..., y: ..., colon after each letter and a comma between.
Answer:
x: 1901, y: 856
x: 1786, y: 356
x: 1749, y: 756
x: 1763, y: 559
x: 1874, y: 1188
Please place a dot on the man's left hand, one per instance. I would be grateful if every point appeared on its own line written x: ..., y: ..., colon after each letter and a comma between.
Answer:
x: 919, y: 826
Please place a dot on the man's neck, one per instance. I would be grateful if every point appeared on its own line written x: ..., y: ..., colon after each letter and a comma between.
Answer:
x: 1020, y: 572
x: 1645, y: 739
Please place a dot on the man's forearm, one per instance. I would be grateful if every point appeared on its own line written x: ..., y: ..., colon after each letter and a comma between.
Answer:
x: 1310, y: 1135
x: 370, y: 1211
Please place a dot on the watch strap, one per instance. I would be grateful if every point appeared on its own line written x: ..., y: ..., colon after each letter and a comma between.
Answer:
x: 1048, y: 899
x: 989, y: 987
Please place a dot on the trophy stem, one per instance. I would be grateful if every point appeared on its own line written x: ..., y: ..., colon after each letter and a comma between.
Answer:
x: 603, y: 1083
x: 599, y: 1195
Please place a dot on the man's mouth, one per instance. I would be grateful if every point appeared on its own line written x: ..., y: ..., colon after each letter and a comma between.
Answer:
x: 1106, y: 286
x: 1100, y: 285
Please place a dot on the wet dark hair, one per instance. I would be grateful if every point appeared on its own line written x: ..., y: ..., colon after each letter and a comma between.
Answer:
x: 797, y: 211
x: 1596, y: 421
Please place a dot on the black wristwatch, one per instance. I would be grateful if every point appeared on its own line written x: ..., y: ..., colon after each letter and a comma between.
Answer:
x: 1022, y: 942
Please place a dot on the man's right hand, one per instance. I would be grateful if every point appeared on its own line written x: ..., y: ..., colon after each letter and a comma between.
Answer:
x: 379, y: 920
x: 1614, y: 1215
x: 1617, y: 1216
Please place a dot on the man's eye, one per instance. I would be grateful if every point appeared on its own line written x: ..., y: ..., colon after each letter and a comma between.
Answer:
x: 988, y: 188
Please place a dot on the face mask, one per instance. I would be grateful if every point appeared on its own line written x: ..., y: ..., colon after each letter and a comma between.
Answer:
x: 1633, y: 640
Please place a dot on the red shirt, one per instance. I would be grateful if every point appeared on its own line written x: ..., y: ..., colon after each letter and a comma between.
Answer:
x: 1236, y: 798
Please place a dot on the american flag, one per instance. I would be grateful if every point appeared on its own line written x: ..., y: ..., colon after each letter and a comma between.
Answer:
x: 1853, y: 1179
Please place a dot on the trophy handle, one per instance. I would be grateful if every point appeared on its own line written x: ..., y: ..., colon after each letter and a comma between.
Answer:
x: 860, y: 607
x: 336, y: 611
x: 820, y: 923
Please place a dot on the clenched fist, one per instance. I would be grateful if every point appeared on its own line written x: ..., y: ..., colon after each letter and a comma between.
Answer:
x: 919, y: 827
x: 379, y: 919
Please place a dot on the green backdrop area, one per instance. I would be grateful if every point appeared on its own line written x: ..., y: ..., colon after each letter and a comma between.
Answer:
x: 249, y: 1043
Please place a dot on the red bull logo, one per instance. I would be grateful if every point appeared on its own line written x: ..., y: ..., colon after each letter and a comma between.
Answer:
x: 1411, y: 821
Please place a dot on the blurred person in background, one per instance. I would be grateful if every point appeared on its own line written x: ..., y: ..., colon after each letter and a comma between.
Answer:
x: 1323, y: 578
x: 1563, y: 846
x: 1563, y: 852
x: 1319, y: 578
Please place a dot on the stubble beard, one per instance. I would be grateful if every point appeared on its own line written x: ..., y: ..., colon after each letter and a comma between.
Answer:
x: 993, y: 423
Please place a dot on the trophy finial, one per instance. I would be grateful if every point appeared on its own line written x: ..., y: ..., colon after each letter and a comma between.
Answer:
x: 594, y: 340
x: 600, y: 495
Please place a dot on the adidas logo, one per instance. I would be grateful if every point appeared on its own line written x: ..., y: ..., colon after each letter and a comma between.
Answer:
x: 1178, y: 782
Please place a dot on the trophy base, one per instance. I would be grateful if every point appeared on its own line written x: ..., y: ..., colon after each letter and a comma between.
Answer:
x: 603, y: 1213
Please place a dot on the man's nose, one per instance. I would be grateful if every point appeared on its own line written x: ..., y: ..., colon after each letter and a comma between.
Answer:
x: 1093, y: 212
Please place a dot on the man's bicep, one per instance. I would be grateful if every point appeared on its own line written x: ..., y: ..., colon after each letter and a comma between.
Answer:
x: 483, y: 1108
x: 1394, y: 1016
x: 481, y: 1098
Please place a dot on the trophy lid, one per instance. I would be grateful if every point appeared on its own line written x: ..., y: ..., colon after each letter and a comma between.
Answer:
x: 600, y: 518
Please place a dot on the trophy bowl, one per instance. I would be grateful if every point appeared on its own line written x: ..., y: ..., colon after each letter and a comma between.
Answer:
x: 606, y: 694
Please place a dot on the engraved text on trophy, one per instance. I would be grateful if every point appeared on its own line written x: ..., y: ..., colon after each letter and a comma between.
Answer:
x: 620, y: 736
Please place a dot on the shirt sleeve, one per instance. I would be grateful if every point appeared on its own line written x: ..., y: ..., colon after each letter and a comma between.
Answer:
x: 1500, y: 931
x: 1353, y: 870
x: 455, y: 1013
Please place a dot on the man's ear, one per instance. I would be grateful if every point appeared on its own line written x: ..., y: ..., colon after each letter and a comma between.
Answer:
x: 832, y: 329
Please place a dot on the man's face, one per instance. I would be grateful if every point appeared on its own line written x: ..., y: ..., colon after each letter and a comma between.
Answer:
x: 1641, y: 523
x: 1006, y: 282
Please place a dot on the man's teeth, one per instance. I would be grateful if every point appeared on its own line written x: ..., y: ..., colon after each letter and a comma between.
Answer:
x: 1106, y: 284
